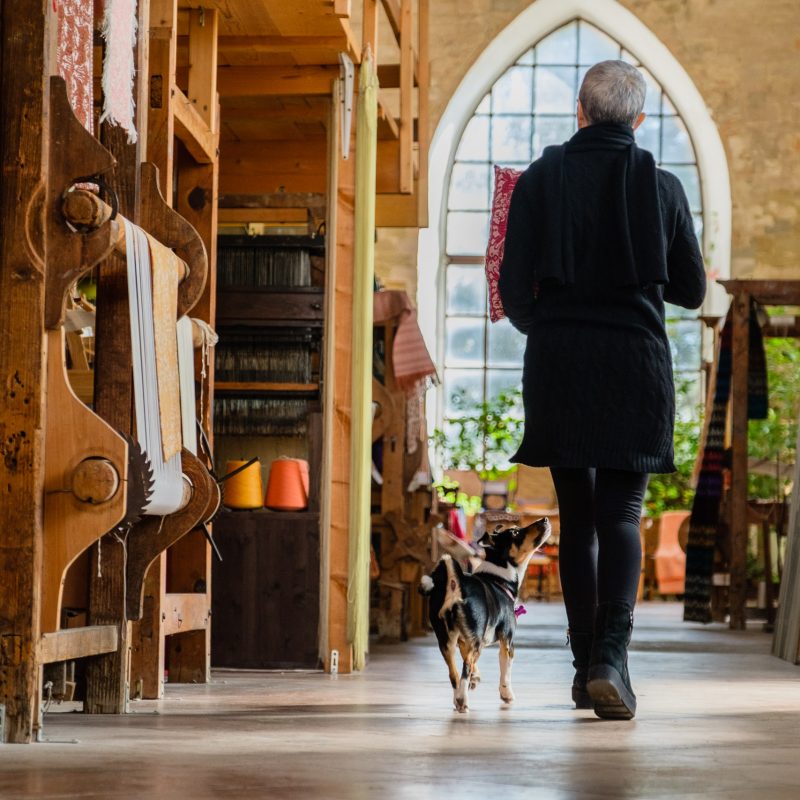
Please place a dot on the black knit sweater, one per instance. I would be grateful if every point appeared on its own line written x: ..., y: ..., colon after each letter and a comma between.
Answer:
x: 597, y: 379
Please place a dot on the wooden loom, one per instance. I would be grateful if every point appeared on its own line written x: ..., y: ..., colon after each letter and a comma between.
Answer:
x: 86, y: 467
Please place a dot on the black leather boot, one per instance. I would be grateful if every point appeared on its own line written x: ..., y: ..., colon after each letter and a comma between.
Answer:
x: 609, y: 684
x: 581, y: 644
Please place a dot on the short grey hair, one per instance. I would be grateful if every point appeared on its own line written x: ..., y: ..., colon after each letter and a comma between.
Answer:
x: 612, y: 91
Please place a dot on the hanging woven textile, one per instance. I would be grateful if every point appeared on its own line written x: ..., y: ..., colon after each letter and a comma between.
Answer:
x: 705, y: 520
x: 119, y: 32
x: 74, y: 55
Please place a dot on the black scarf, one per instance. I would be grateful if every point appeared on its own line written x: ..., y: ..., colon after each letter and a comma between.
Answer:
x: 638, y: 230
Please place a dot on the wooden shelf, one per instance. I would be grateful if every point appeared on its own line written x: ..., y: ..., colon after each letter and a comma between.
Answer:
x: 227, y: 387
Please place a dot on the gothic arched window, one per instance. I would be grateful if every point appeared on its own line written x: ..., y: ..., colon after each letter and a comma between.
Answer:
x: 532, y: 105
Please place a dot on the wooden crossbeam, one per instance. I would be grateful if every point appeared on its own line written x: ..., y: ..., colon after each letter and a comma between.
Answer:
x: 272, y: 166
x: 265, y: 216
x: 72, y: 643
x: 252, y: 81
x: 184, y: 612
x: 193, y: 130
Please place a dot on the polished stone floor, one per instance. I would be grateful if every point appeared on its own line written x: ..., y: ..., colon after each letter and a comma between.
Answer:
x: 718, y: 718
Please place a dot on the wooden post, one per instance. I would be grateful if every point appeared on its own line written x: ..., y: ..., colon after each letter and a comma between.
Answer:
x: 107, y: 675
x: 338, y: 327
x: 369, y: 27
x: 23, y: 141
x: 406, y: 98
x: 423, y: 120
x: 738, y: 493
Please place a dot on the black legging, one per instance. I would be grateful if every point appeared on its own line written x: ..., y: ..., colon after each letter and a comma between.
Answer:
x: 600, y: 553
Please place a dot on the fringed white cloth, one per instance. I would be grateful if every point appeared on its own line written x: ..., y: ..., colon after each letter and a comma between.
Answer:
x: 119, y: 32
x: 168, y: 481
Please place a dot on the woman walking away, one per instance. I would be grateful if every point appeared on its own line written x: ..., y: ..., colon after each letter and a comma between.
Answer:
x: 598, y: 240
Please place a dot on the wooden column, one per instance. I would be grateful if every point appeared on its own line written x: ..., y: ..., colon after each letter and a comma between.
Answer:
x: 738, y: 493
x: 24, y: 99
x: 338, y: 388
x: 406, y: 98
x: 107, y: 675
x: 147, y: 637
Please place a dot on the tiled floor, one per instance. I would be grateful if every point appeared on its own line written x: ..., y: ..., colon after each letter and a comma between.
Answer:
x: 719, y: 717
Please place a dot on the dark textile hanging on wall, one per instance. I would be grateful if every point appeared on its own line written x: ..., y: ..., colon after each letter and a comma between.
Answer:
x: 705, y: 522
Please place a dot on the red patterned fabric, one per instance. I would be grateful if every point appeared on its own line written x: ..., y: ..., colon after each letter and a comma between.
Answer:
x: 75, y: 39
x: 505, y: 179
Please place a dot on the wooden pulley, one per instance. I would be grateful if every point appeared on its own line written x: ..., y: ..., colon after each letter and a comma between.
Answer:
x: 95, y: 481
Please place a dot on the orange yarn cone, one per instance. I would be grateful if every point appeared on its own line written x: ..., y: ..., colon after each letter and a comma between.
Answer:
x: 287, y: 487
x: 243, y: 491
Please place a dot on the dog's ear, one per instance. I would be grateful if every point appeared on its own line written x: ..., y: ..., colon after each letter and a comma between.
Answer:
x: 487, y: 540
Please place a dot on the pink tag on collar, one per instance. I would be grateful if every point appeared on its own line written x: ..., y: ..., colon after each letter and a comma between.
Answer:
x: 519, y: 611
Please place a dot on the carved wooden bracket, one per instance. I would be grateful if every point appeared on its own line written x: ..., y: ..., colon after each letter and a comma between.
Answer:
x: 153, y: 535
x: 74, y: 153
x: 165, y: 224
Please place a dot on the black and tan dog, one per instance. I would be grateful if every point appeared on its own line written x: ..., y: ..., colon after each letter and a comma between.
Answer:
x: 471, y: 610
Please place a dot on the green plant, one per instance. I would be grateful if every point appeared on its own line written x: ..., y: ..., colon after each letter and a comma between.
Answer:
x: 774, y: 439
x: 484, y: 437
x: 673, y: 491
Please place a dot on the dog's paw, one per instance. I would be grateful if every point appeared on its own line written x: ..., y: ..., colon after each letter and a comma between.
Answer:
x: 460, y: 704
x: 506, y: 694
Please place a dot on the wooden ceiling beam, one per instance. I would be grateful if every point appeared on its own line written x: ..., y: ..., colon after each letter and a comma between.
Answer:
x: 273, y: 166
x: 254, y: 81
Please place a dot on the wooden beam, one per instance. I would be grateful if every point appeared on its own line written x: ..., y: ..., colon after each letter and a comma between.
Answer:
x: 423, y: 111
x: 394, y: 15
x: 24, y: 98
x: 252, y: 81
x: 397, y: 210
x: 369, y: 27
x: 203, y: 29
x: 72, y: 643
x: 277, y: 44
x: 266, y: 216
x: 406, y: 97
x: 272, y: 166
x: 193, y: 130
x: 738, y: 491
x: 185, y: 612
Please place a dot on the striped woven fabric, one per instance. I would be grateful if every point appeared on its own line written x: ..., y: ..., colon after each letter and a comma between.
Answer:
x: 704, y: 524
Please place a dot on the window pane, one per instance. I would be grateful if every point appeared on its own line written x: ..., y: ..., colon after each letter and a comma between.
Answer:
x: 685, y: 339
x: 647, y: 135
x: 503, y: 381
x: 674, y: 312
x: 691, y: 184
x: 551, y: 130
x: 463, y: 391
x: 484, y: 106
x: 469, y: 187
x: 467, y: 233
x: 466, y: 290
x: 698, y: 226
x: 464, y: 342
x: 688, y: 395
x: 652, y: 100
x: 512, y: 92
x: 595, y: 46
x: 526, y: 57
x: 506, y: 345
x: 677, y: 147
x: 511, y: 139
x: 555, y: 90
x: 475, y: 141
x: 560, y: 47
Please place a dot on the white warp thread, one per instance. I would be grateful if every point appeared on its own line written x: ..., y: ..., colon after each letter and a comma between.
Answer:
x: 186, y: 373
x: 168, y: 481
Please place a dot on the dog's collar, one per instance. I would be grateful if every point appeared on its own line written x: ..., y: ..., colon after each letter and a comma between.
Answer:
x: 508, y: 573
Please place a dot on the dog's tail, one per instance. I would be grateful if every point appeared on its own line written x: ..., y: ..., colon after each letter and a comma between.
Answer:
x: 446, y: 577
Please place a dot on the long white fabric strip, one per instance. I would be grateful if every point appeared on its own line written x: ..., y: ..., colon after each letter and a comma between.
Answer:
x: 167, y: 476
x: 186, y: 372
